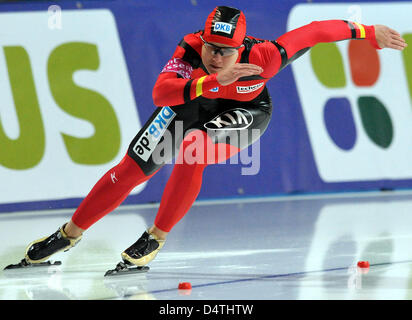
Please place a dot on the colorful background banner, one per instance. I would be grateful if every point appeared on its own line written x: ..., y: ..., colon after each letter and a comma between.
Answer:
x: 342, y: 114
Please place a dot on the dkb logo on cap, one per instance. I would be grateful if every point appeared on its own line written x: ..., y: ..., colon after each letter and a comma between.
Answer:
x: 222, y: 27
x: 225, y: 25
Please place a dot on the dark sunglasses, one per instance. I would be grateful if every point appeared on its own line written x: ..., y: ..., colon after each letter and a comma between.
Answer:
x: 224, y: 51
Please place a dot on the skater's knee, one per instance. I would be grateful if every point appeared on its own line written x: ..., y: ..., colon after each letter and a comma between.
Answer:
x: 127, y: 171
x: 198, y: 148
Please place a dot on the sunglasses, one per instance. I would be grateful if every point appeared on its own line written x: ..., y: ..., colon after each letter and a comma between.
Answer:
x: 224, y: 51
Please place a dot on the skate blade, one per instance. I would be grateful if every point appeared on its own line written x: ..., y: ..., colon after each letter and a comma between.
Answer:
x: 23, y: 264
x: 123, y: 268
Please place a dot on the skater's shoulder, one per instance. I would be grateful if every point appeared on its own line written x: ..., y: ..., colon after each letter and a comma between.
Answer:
x: 192, y: 41
x: 189, y: 49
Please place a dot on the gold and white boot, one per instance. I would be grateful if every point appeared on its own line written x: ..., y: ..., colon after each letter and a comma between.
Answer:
x: 41, y: 249
x: 143, y: 250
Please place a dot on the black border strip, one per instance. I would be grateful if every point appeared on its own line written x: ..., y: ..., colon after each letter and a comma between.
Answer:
x: 352, y: 28
x: 186, y: 91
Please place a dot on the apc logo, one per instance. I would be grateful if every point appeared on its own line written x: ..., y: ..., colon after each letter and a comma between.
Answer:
x: 356, y: 100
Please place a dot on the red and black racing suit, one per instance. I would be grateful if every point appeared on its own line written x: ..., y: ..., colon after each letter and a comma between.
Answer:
x: 187, y: 95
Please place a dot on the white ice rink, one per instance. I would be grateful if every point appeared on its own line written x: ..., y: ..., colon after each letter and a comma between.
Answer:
x: 294, y: 248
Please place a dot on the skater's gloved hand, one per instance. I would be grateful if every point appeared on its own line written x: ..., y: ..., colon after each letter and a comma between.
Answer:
x: 389, y: 38
x: 238, y: 70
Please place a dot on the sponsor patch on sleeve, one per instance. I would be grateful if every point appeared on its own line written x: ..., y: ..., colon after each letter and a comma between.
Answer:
x: 248, y: 89
x: 179, y: 66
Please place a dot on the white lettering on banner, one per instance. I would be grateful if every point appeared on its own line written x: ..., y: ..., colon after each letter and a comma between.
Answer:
x: 151, y: 136
x: 248, y: 89
x: 222, y: 27
x: 179, y: 66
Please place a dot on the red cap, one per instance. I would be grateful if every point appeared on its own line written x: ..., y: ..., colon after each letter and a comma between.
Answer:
x: 225, y: 25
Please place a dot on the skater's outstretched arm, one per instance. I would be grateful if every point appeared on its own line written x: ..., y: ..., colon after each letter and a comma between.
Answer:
x: 295, y: 43
x: 316, y: 32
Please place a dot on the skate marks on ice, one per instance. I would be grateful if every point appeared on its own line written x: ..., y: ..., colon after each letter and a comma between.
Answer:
x: 290, y: 248
x: 80, y: 275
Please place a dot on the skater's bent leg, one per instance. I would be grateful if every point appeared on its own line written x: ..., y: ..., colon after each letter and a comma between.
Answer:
x: 108, y: 193
x: 185, y: 181
x: 180, y: 192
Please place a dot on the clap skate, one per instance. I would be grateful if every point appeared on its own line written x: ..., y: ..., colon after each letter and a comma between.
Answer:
x: 138, y: 255
x: 38, y: 251
x: 24, y: 264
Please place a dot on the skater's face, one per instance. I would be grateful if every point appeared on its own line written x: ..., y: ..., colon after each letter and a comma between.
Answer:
x: 217, y: 57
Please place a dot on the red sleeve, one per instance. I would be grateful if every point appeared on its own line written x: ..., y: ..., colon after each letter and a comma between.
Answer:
x: 175, y: 84
x: 325, y: 31
x: 266, y: 55
x: 273, y: 56
x: 170, y: 90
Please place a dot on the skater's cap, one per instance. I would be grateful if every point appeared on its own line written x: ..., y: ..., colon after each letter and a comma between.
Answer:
x: 225, y: 25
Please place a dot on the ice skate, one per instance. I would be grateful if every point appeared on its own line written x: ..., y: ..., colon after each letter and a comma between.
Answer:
x: 38, y: 251
x: 138, y: 255
x: 24, y: 264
